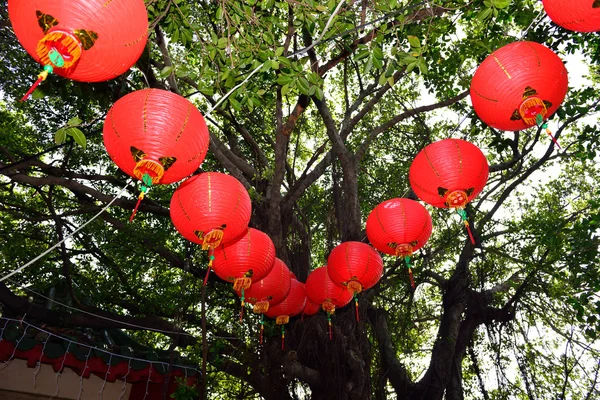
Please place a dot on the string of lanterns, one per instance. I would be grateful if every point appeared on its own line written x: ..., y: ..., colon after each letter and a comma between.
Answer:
x: 159, y: 137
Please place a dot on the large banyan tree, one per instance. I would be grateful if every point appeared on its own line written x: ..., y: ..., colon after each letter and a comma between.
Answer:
x: 319, y: 109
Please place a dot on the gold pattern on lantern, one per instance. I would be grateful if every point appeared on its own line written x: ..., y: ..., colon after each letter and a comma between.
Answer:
x: 261, y: 307
x: 69, y: 44
x: 354, y: 286
x: 457, y: 199
x: 282, y: 319
x: 530, y: 108
x: 242, y: 283
x: 404, y: 250
x: 328, y: 307
x: 152, y: 168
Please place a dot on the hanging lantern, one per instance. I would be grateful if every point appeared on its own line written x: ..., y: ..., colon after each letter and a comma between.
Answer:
x: 448, y: 174
x: 519, y: 86
x: 155, y: 136
x: 321, y: 290
x: 356, y: 266
x: 87, y: 41
x: 399, y: 227
x: 210, y: 209
x: 292, y: 305
x: 246, y: 260
x: 270, y: 290
x: 574, y: 15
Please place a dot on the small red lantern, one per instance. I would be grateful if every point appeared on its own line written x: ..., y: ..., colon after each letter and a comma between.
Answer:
x: 155, y: 136
x: 518, y: 86
x: 270, y: 290
x: 292, y: 305
x: 87, y: 41
x: 399, y: 227
x: 574, y: 15
x: 321, y: 290
x: 356, y: 266
x: 211, y: 208
x: 246, y: 260
x: 448, y: 174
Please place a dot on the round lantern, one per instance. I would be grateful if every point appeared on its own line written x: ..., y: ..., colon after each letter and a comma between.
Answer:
x: 293, y: 304
x: 321, y: 290
x: 448, y: 174
x: 211, y: 209
x: 310, y: 308
x: 399, y: 227
x: 356, y: 266
x: 246, y: 260
x: 574, y: 15
x: 155, y: 136
x: 518, y: 86
x: 87, y: 41
x: 270, y: 290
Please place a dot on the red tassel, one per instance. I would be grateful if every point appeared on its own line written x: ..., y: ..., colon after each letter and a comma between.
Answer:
x: 552, y: 137
x: 206, y: 276
x: 356, y: 305
x: 410, y: 276
x: 140, y: 197
x: 32, y: 88
x: 469, y: 232
x: 282, y: 338
x: 329, y: 323
x: 262, y: 328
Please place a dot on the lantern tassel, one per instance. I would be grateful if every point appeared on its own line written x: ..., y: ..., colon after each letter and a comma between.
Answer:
x: 262, y: 328
x: 539, y: 119
x: 463, y: 216
x: 243, y: 304
x: 282, y: 337
x: 137, y: 205
x: 329, y: 323
x: 410, y: 273
x: 356, y: 307
x: 469, y: 232
x: 552, y: 136
x: 41, y: 78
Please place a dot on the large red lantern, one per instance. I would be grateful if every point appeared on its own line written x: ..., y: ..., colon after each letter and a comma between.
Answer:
x: 356, y: 266
x: 270, y: 290
x: 321, y: 290
x: 518, y: 86
x: 448, y: 174
x: 211, y: 209
x: 292, y: 305
x: 575, y: 15
x: 83, y: 40
x: 399, y: 227
x: 246, y: 260
x: 155, y: 136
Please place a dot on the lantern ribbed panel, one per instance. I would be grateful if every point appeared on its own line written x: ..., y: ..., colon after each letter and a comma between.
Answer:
x: 254, y: 252
x: 310, y: 308
x: 575, y: 15
x: 274, y: 287
x: 354, y: 261
x: 320, y: 288
x: 121, y: 26
x: 398, y: 221
x: 511, y: 74
x: 293, y: 304
x: 451, y: 164
x: 210, y: 201
x: 160, y: 124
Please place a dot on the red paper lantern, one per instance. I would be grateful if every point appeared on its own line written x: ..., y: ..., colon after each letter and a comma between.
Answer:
x: 354, y: 265
x: 293, y: 304
x: 575, y: 15
x: 310, y: 308
x: 155, y: 136
x: 399, y: 227
x: 246, y: 260
x: 270, y: 290
x: 321, y: 290
x: 518, y: 86
x: 83, y: 40
x: 448, y: 174
x: 211, y: 208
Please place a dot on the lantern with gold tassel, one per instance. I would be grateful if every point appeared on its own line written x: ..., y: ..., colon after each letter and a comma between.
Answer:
x: 449, y: 173
x: 292, y: 305
x: 399, y: 227
x: 83, y: 40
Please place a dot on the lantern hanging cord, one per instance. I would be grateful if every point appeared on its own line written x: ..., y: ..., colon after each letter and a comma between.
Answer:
x: 463, y: 216
x: 41, y: 78
x: 262, y: 328
x: 144, y: 188
x: 21, y: 268
x: 356, y: 306
x: 539, y: 120
x: 410, y: 273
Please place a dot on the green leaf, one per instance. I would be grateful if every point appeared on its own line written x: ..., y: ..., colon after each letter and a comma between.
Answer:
x: 501, y: 3
x: 485, y: 14
x: 60, y: 136
x: 77, y: 135
x: 166, y: 71
x: 278, y: 51
x: 219, y: 13
x: 75, y: 121
x: 38, y: 93
x: 285, y: 90
x: 414, y: 42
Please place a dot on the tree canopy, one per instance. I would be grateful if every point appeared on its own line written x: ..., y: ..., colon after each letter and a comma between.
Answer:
x: 318, y: 109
